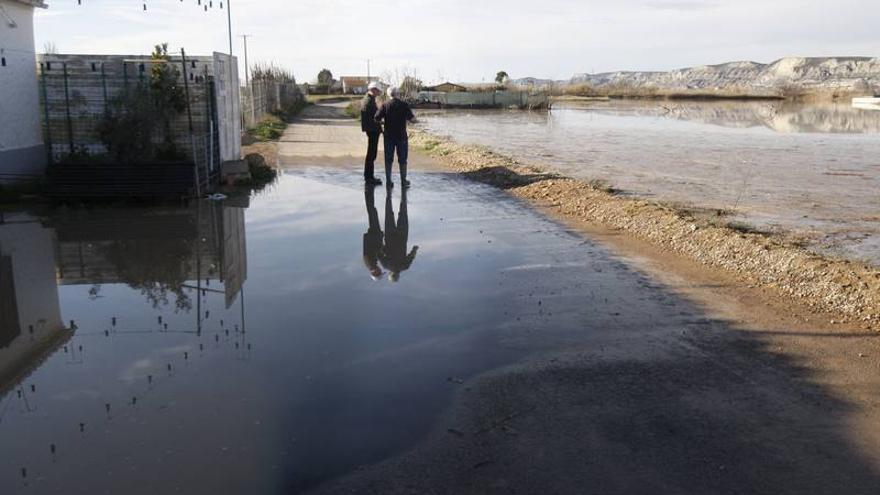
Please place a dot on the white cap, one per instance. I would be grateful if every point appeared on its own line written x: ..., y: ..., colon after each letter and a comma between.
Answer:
x: 373, y: 85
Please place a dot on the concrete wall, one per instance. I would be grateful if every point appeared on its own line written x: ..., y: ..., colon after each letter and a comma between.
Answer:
x: 21, y: 139
x: 228, y: 105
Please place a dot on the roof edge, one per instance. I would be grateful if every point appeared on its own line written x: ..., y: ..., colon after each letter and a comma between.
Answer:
x: 40, y: 4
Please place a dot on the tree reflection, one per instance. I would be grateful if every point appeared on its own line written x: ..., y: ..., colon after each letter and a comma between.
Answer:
x: 157, y: 268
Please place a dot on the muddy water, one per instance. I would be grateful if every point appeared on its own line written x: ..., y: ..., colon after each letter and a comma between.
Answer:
x: 811, y: 169
x: 227, y: 348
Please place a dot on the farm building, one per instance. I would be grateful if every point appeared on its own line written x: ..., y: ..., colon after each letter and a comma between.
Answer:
x: 22, y: 154
x: 446, y: 87
x: 356, y: 85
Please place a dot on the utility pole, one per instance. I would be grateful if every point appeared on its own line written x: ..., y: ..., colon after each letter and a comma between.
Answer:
x: 247, y: 79
x: 231, y: 91
x: 368, y: 71
x: 247, y: 76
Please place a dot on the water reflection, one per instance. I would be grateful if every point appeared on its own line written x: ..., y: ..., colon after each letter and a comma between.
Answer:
x: 388, y: 248
x: 778, y: 116
x: 174, y: 257
x: 30, y: 313
x: 394, y: 256
x: 373, y: 235
x: 780, y: 166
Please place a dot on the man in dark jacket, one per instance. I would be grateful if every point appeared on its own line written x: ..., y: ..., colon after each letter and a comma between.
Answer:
x: 372, y: 129
x: 396, y: 113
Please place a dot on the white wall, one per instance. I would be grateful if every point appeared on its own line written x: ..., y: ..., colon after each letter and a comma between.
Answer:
x: 228, y: 107
x: 21, y: 136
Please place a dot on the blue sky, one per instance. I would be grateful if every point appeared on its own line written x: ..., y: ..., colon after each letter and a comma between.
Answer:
x: 471, y: 40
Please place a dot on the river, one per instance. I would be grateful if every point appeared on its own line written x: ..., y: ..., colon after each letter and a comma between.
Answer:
x: 808, y: 170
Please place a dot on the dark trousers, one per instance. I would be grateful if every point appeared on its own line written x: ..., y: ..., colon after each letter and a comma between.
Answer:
x: 372, y: 152
x: 402, y: 147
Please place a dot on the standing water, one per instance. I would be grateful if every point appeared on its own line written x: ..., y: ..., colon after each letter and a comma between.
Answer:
x: 812, y: 170
x: 221, y: 349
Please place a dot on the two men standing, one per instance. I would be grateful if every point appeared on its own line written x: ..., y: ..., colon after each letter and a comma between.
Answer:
x: 395, y: 113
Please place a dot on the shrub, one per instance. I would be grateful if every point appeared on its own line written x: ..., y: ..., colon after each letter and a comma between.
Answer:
x: 262, y: 174
x: 269, y: 129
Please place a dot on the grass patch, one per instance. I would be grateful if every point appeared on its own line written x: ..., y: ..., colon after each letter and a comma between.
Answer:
x: 431, y: 145
x: 353, y: 109
x: 744, y: 228
x: 332, y: 98
x: 269, y: 129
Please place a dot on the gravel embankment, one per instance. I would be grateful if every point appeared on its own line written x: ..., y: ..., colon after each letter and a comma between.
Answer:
x: 849, y: 290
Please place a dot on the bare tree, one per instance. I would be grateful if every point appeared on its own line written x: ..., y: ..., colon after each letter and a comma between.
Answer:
x: 406, y: 78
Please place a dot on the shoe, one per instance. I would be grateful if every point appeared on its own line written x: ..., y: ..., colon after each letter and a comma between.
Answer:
x: 373, y: 181
x: 405, y: 183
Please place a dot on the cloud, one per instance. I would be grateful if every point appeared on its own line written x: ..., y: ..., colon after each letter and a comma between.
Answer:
x: 682, y: 5
x: 469, y: 41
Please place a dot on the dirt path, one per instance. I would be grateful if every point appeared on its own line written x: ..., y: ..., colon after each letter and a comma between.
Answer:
x: 746, y: 395
x: 324, y: 135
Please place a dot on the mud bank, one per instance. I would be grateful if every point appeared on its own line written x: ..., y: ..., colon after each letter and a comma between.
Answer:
x: 848, y: 292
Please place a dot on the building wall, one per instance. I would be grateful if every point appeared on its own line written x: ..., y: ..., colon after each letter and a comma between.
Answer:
x: 21, y: 140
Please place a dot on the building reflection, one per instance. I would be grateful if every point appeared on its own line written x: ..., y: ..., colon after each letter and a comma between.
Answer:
x: 30, y: 312
x: 173, y: 256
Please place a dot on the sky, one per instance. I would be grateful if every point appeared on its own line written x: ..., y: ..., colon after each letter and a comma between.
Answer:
x: 469, y: 41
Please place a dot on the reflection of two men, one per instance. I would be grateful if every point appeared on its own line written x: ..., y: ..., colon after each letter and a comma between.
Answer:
x: 388, y: 249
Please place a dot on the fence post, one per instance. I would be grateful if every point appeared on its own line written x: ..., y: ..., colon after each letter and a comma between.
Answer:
x: 46, y: 112
x: 104, y: 86
x: 67, y: 110
x: 192, y: 139
x: 209, y: 121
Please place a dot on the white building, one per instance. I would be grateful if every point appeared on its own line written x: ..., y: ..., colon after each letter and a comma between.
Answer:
x: 21, y: 140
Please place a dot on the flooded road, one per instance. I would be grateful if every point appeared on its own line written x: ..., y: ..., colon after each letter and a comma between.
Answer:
x: 324, y: 338
x: 257, y: 343
x: 810, y: 169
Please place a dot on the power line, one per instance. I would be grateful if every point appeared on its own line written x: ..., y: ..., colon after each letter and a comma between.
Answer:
x: 205, y: 5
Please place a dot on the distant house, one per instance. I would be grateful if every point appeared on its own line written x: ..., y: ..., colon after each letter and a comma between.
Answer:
x: 22, y: 154
x: 446, y: 87
x: 356, y: 85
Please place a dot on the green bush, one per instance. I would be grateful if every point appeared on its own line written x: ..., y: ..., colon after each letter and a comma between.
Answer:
x: 269, y: 129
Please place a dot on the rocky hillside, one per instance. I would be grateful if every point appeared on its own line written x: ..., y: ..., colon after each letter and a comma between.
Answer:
x: 784, y: 76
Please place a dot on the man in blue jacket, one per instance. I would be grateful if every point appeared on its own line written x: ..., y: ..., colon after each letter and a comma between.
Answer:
x: 396, y: 113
